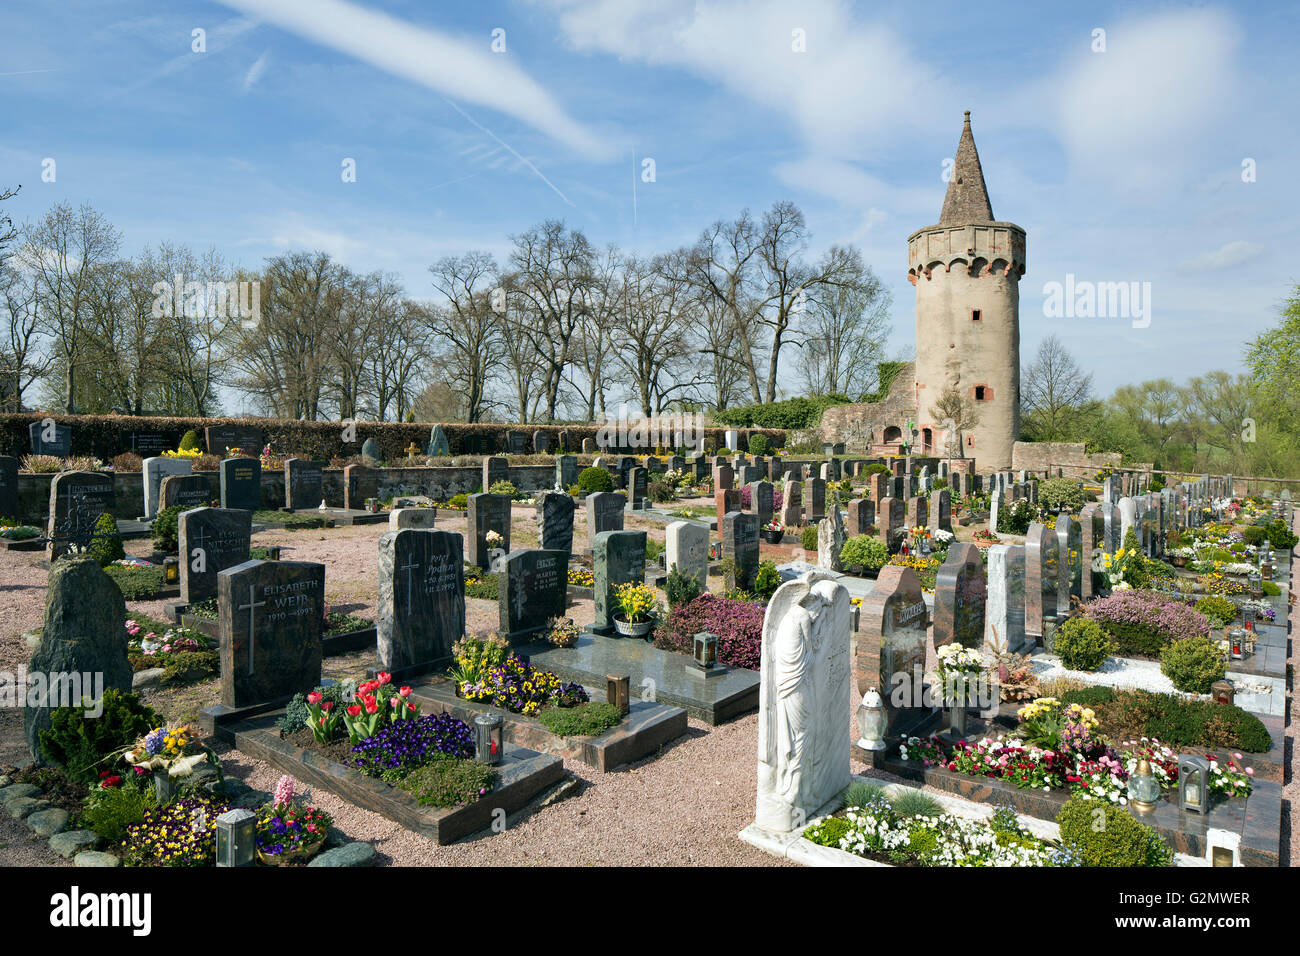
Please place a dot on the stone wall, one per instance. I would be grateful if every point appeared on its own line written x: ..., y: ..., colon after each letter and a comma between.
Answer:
x: 1038, y: 456
x: 861, y: 426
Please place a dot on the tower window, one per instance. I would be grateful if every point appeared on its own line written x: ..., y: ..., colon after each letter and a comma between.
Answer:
x: 974, y: 315
x: 981, y: 393
x: 970, y: 441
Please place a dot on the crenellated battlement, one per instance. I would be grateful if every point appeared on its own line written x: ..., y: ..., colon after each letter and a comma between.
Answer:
x: 981, y: 248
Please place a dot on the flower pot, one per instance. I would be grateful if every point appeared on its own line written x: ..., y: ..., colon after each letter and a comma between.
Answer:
x: 629, y: 629
x: 300, y: 855
x: 773, y: 537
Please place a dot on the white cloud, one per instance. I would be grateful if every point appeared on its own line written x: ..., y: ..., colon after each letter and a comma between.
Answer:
x: 457, y: 68
x: 1137, y: 113
x: 255, y: 71
x: 1225, y: 257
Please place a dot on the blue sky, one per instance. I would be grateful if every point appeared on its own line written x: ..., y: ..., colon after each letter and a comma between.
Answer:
x: 1122, y: 165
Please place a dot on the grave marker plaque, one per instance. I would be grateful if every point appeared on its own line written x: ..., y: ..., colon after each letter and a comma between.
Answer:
x: 960, y: 598
x: 487, y: 512
x: 891, y: 651
x: 241, y: 483
x: 303, y: 484
x: 185, y: 492
x: 604, y: 513
x: 149, y: 444
x: 421, y: 611
x: 50, y: 439
x: 155, y: 470
x: 420, y: 518
x: 555, y: 521
x: 77, y: 500
x: 220, y: 439
x: 211, y: 540
x: 532, y: 590
x: 272, y: 614
x: 619, y: 558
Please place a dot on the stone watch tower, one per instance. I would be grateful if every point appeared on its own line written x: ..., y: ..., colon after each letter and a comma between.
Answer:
x: 967, y: 273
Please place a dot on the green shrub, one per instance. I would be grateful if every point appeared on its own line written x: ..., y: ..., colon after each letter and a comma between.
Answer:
x: 486, y: 588
x: 1061, y: 493
x: 1218, y: 609
x: 767, y: 579
x: 1280, y: 536
x: 1016, y: 517
x: 78, y: 743
x: 449, y: 782
x: 595, y: 479
x: 877, y: 468
x: 660, y: 492
x: 110, y: 811
x: 106, y: 545
x: 1172, y: 719
x: 1254, y: 535
x: 460, y: 501
x: 166, y: 529
x: 791, y: 413
x: 1193, y: 664
x: 808, y: 538
x: 186, y: 666
x: 137, y: 584
x: 1104, y: 834
x: 1089, y: 696
x: 190, y: 441
x: 1082, y: 644
x: 861, y: 549
x: 829, y: 832
x: 758, y: 444
x: 1270, y: 589
x: 585, y: 720
x: 503, y: 487
x: 680, y: 588
x: 859, y: 794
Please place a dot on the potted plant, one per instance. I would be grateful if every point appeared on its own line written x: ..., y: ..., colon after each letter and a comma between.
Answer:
x: 774, y: 530
x: 289, y: 831
x: 635, y: 616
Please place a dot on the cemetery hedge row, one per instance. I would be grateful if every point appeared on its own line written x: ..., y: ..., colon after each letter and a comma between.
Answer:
x: 105, y: 436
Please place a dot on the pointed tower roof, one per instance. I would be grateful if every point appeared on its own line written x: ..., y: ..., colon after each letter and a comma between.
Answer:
x: 967, y: 199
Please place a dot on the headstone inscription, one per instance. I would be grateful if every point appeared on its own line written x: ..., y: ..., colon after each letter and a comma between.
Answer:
x: 185, y: 492
x: 241, y: 483
x: 77, y: 500
x: 50, y: 438
x: 210, y: 540
x: 421, y: 611
x: 155, y: 470
x: 304, y: 482
x: 533, y: 587
x: 272, y: 614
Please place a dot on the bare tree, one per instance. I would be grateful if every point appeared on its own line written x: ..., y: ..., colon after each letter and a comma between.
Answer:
x: 724, y: 267
x: 21, y: 359
x: 1053, y: 390
x: 843, y: 333
x: 8, y: 233
x: 467, y: 328
x: 398, y: 350
x: 958, y: 414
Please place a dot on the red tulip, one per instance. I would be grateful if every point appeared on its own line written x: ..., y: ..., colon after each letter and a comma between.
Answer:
x: 354, y: 711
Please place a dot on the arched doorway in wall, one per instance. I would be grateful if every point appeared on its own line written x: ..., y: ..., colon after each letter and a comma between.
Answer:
x: 927, y: 439
x: 893, y: 433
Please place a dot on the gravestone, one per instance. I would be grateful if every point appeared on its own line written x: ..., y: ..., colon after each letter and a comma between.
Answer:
x: 82, y: 646
x: 878, y: 487
x: 1005, y: 615
x: 1069, y: 582
x: 943, y: 509
x: 687, y: 547
x: 862, y: 515
x: 359, y: 483
x: 421, y: 610
x: 918, y: 512
x: 478, y: 444
x: 221, y: 438
x: 185, y: 492
x: 8, y: 487
x: 241, y: 483
x: 792, y: 503
x: 995, y: 507
x: 563, y: 442
x: 1042, y: 573
x: 831, y: 537
x: 1111, y: 538
x: 272, y: 615
x: 619, y: 558
x: 816, y: 499
x: 733, y: 439
x: 892, y: 645
x: 516, y: 443
x: 532, y: 590
x: 155, y: 470
x: 761, y: 498
x: 77, y: 500
x: 1128, y: 518
x: 370, y: 450
x: 211, y: 540
x: 566, y: 471
x: 50, y: 438
x: 636, y: 489
x: 304, y: 482
x: 1092, y: 532
x: 889, y: 521
x: 419, y: 518
x: 541, y: 442
x: 487, y: 512
x: 739, y: 533
x: 725, y: 501
x: 147, y: 444
x: 723, y: 478
x: 804, y: 698
x: 495, y: 469
x: 555, y: 521
x: 438, y: 446
x: 604, y: 513
x: 589, y: 446
x: 775, y: 468
x: 748, y: 474
x: 960, y: 597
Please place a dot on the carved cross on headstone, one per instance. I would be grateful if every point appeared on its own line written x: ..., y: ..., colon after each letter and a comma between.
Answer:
x: 251, y: 608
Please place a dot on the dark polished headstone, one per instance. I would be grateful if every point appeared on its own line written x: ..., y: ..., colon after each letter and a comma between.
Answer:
x: 960, y: 596
x: 889, y: 521
x: 739, y: 532
x: 359, y: 483
x: 77, y: 500
x: 146, y: 444
x: 303, y: 484
x: 862, y: 515
x: 942, y: 501
x: 486, y: 512
x: 185, y: 491
x: 555, y: 521
x: 421, y: 610
x: 566, y: 471
x: 1069, y: 539
x: 604, y: 513
x: 495, y: 469
x: 211, y: 540
x: 50, y: 438
x: 532, y: 590
x: 8, y: 487
x: 272, y: 614
x: 221, y: 438
x: 892, y: 645
x: 619, y: 558
x: 636, y: 488
x: 241, y: 483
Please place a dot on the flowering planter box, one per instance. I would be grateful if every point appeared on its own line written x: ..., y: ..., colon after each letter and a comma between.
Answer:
x: 642, y: 732
x: 522, y: 775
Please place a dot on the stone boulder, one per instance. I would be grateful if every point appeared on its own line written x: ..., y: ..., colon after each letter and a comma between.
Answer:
x: 83, y: 634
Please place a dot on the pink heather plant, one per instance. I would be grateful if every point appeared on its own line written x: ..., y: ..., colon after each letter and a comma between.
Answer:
x: 1150, y: 613
x: 738, y: 626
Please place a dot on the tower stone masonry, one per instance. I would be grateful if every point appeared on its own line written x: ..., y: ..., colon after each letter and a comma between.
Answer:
x: 966, y: 270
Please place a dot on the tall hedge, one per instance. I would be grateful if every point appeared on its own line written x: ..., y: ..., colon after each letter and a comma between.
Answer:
x: 105, y: 436
x: 790, y: 414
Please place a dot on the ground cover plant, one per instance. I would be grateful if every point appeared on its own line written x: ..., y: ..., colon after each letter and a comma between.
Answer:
x: 738, y: 626
x: 1171, y: 719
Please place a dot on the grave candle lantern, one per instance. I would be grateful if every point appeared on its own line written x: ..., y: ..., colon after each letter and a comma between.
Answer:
x: 1193, y: 784
x: 1143, y: 788
x: 1223, y: 691
x: 172, y: 570
x: 236, y: 838
x: 705, y: 650
x: 1255, y: 580
x: 618, y: 691
x: 489, y: 742
x: 871, y: 721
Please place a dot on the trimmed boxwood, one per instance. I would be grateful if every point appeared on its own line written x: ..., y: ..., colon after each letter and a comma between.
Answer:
x: 1193, y: 665
x: 1116, y: 840
x: 1176, y: 721
x: 1082, y: 645
x: 595, y: 479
